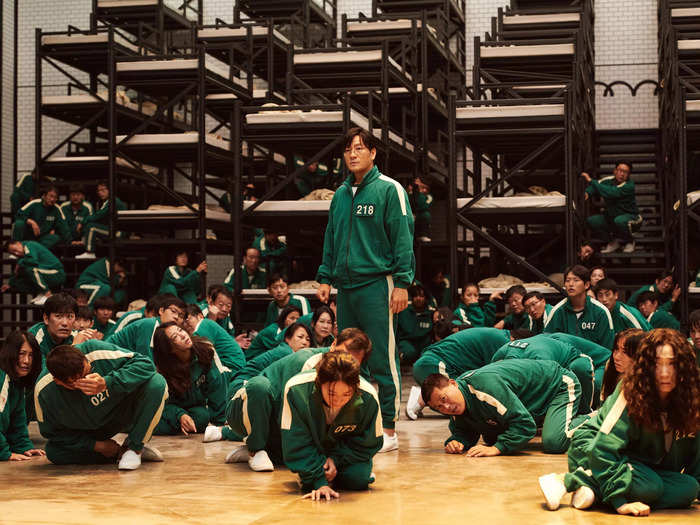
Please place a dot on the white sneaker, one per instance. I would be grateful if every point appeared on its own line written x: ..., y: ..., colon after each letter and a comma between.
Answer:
x: 261, y: 462
x: 629, y: 247
x: 414, y: 405
x: 86, y: 255
x: 583, y: 498
x: 611, y: 247
x: 390, y: 443
x: 553, y: 489
x: 238, y: 455
x: 130, y: 460
x: 424, y: 238
x: 13, y: 257
x: 212, y: 433
x: 40, y: 299
x: 151, y: 454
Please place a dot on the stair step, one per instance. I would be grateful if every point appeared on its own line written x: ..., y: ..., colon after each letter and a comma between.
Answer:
x: 617, y: 149
x: 634, y: 255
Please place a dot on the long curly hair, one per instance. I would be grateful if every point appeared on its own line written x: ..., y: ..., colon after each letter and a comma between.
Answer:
x: 682, y: 407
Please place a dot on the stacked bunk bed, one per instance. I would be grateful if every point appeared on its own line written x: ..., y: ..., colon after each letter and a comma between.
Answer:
x: 521, y: 137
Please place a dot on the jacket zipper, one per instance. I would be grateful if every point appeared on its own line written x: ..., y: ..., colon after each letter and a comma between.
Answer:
x: 347, y: 247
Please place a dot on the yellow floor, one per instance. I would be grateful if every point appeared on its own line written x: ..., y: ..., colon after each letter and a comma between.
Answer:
x: 419, y: 485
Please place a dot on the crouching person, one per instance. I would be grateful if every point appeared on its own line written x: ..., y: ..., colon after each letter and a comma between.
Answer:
x: 331, y: 428
x: 92, y: 391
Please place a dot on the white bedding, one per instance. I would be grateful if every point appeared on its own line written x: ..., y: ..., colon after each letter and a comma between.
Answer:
x: 57, y: 100
x: 692, y: 105
x: 174, y: 138
x: 99, y: 158
x: 694, y: 289
x: 528, y: 50
x: 689, y: 44
x: 306, y: 292
x: 211, y: 63
x: 79, y: 38
x: 530, y: 110
x: 534, y: 201
x: 238, y: 32
x: 541, y: 19
x: 334, y: 57
x: 175, y: 5
x: 267, y: 206
x: 683, y: 12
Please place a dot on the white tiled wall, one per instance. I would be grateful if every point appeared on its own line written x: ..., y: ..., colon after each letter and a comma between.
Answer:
x: 6, y: 112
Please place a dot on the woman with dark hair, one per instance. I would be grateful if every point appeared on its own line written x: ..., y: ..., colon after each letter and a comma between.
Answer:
x: 624, y: 348
x: 182, y: 281
x: 322, y: 324
x: 597, y: 274
x: 20, y: 364
x: 331, y: 427
x: 270, y: 336
x: 197, y: 392
x: 642, y: 449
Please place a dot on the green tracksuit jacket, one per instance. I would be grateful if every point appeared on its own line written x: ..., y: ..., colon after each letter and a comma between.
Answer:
x: 665, y: 302
x: 184, y: 283
x: 469, y: 349
x: 22, y: 193
x: 101, y: 215
x: 369, y: 234
x: 258, y: 364
x: 48, y: 218
x: 273, y: 309
x: 625, y: 316
x: 129, y: 317
x: 282, y: 370
x: 257, y: 281
x: 415, y: 329
x: 39, y: 266
x: 515, y: 322
x: 353, y: 436
x: 619, y: 198
x: 97, y: 273
x: 598, y: 353
x: 536, y: 326
x: 13, y: 420
x: 226, y: 347
x: 137, y: 336
x: 45, y: 340
x: 476, y: 315
x: 205, y: 400
x: 618, y: 458
x: 273, y: 256
x: 67, y: 416
x: 226, y: 323
x: 595, y: 324
x: 441, y: 294
x: 74, y: 217
x: 663, y: 319
x: 267, y: 338
x: 506, y: 400
x: 105, y: 329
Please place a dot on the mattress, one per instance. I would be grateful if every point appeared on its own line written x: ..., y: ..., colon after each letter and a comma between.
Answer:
x: 80, y: 38
x: 692, y: 105
x: 161, y: 139
x: 544, y: 290
x: 99, y: 158
x: 214, y: 65
x: 534, y: 201
x: 541, y: 18
x: 335, y: 57
x: 175, y: 5
x: 257, y: 93
x: 531, y: 110
x: 265, y: 207
x: 694, y: 289
x: 238, y: 32
x: 685, y: 12
x: 688, y: 45
x: 306, y: 292
x: 67, y: 100
x: 529, y: 50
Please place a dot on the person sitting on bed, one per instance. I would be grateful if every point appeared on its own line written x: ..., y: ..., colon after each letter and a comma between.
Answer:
x: 97, y: 224
x: 273, y: 252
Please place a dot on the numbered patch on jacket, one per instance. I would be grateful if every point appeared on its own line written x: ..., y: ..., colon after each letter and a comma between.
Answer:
x: 518, y: 344
x: 340, y: 429
x: 97, y: 399
x: 588, y: 325
x: 364, y: 210
x: 201, y: 380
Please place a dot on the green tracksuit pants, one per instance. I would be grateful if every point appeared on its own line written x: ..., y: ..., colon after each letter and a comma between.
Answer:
x: 37, y: 280
x: 251, y: 412
x: 21, y: 232
x: 607, y: 227
x: 356, y: 476
x: 138, y: 416
x: 199, y: 414
x: 367, y: 308
x: 92, y: 233
x: 96, y: 290
x: 409, y: 350
x: 584, y: 370
x: 560, y: 421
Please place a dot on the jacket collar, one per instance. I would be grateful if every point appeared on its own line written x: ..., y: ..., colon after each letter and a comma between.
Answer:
x: 369, y: 177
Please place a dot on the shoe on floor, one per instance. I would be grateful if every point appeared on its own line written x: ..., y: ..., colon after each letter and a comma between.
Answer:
x: 629, y: 247
x: 261, y: 462
x: 86, y: 255
x: 611, y: 247
x: 130, y: 460
x: 424, y: 238
x: 413, y: 405
x: 40, y: 299
x: 553, y: 490
x: 212, y: 433
x: 390, y: 443
x: 583, y: 498
x: 238, y: 455
x: 151, y: 454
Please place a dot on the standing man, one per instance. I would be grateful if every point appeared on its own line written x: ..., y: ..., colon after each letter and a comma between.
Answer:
x: 368, y: 256
x: 621, y: 216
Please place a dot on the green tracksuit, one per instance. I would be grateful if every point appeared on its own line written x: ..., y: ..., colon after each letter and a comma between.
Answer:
x: 255, y: 407
x: 38, y: 270
x: 13, y: 420
x: 255, y: 366
x: 536, y: 326
x: 414, y: 333
x: 308, y: 181
x: 227, y: 348
x: 96, y: 280
x: 22, y: 193
x: 45, y: 340
x: 623, y: 462
x: 267, y: 338
x: 75, y: 217
x: 306, y: 320
x: 181, y: 282
x: 625, y: 316
x: 129, y: 317
x: 97, y: 225
x: 137, y: 336
x: 273, y: 257
x: 507, y: 400
x: 204, y: 401
x: 421, y: 202
x: 697, y: 279
x: 665, y: 302
x: 256, y: 281
x: 105, y: 329
x: 460, y: 352
x: 621, y: 217
x: 541, y: 347
x: 52, y: 225
x: 273, y: 309
x: 594, y: 324
x: 226, y: 323
x: 367, y: 251
x: 476, y: 315
x: 309, y: 435
x: 515, y: 322
x: 72, y: 421
x: 663, y: 319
